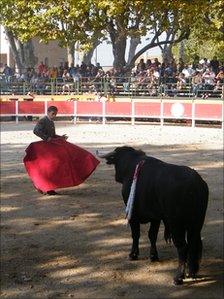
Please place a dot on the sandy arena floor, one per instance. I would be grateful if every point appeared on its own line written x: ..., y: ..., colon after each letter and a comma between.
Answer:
x: 76, y: 244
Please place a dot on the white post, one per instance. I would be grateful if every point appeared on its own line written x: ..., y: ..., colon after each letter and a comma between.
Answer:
x: 193, y: 114
x: 161, y: 113
x: 45, y: 107
x: 104, y: 111
x: 132, y: 112
x: 222, y: 120
x: 75, y: 113
x: 17, y: 111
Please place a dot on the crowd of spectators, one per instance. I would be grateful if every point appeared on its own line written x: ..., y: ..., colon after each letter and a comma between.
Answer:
x: 200, y: 78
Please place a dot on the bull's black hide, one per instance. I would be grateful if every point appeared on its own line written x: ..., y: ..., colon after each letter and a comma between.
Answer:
x: 175, y: 194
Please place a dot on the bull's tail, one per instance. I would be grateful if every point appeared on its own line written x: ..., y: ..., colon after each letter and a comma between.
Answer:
x: 194, y: 231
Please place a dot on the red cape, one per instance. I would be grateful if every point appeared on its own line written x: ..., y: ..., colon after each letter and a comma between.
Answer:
x: 58, y: 164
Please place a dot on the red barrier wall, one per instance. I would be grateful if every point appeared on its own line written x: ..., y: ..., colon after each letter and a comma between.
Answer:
x: 89, y: 108
x: 147, y: 109
x: 211, y: 110
x: 63, y: 107
x: 30, y: 107
x: 8, y: 108
x: 118, y: 108
x: 204, y: 111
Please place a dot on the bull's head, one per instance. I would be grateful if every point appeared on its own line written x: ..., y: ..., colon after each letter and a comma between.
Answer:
x: 110, y: 156
x: 113, y: 156
x: 123, y: 158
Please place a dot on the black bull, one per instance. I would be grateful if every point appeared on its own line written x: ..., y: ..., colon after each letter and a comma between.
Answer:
x: 175, y: 194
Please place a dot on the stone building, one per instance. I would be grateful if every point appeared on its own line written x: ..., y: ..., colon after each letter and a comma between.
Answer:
x: 51, y: 53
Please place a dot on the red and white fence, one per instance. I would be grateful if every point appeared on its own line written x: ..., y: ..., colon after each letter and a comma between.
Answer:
x: 162, y: 109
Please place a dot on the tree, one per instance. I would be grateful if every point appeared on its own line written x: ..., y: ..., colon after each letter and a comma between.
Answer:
x: 23, y: 52
x: 207, y: 33
x: 67, y: 21
x: 91, y: 21
x: 136, y: 19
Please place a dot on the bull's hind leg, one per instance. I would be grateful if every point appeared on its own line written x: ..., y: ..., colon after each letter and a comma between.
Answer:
x: 135, y: 231
x: 178, y: 236
x: 194, y: 251
x: 152, y: 234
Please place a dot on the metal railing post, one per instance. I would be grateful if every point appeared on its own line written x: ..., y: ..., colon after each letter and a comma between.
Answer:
x: 52, y: 87
x: 45, y: 107
x: 222, y: 120
x: 17, y: 111
x: 24, y: 88
x: 75, y: 113
x: 104, y: 111
x: 132, y: 112
x: 161, y: 113
x: 193, y: 114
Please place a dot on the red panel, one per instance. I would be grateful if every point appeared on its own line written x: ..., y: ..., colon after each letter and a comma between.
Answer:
x: 27, y: 107
x: 209, y: 111
x: 7, y: 108
x: 118, y: 108
x: 63, y: 106
x: 177, y: 109
x: 149, y: 109
x: 89, y: 108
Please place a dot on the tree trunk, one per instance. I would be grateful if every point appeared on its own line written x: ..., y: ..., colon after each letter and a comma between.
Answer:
x: 167, y: 52
x: 70, y: 53
x: 135, y: 41
x: 119, y: 48
x: 154, y: 43
x: 23, y: 53
x: 182, y: 50
x: 87, y: 58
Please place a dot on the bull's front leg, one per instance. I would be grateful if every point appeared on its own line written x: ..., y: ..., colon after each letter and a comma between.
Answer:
x: 152, y: 234
x: 135, y: 232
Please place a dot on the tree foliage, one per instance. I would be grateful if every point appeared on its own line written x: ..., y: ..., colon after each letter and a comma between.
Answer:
x: 90, y: 21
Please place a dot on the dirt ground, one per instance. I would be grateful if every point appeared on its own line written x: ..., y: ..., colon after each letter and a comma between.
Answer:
x: 76, y: 244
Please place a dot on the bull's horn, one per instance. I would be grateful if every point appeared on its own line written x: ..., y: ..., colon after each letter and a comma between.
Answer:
x: 103, y: 155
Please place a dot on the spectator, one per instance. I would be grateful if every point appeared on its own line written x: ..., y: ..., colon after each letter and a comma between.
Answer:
x: 214, y: 64
x: 181, y: 81
x: 141, y: 66
x: 53, y: 73
x: 8, y: 72
x: 156, y: 63
x: 209, y: 77
x: 188, y: 71
x: 205, y: 63
x: 197, y: 83
x: 66, y: 78
x: 148, y: 63
x: 220, y: 76
x: 72, y: 70
x: 41, y: 69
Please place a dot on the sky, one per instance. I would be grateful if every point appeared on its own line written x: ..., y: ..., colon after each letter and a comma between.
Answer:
x: 104, y: 55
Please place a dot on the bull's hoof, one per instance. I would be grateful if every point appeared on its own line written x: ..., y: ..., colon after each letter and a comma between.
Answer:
x: 178, y: 281
x: 191, y: 275
x: 133, y: 256
x: 154, y: 258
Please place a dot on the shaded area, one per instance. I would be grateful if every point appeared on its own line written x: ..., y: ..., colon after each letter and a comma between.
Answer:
x: 77, y: 244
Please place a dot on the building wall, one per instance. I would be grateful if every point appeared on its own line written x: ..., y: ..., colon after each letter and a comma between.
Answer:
x: 51, y: 54
x: 4, y: 49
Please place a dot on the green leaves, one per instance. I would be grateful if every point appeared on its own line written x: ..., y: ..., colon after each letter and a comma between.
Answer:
x: 84, y: 21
